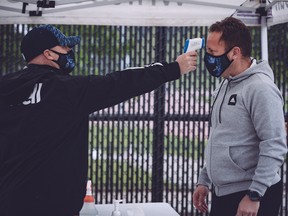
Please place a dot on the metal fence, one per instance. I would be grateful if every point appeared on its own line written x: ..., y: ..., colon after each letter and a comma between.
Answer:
x: 149, y: 148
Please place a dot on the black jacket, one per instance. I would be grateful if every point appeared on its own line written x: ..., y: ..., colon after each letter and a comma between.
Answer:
x: 44, y: 132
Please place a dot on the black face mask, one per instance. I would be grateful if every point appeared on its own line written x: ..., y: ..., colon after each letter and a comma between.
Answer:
x: 216, y: 65
x: 66, y: 61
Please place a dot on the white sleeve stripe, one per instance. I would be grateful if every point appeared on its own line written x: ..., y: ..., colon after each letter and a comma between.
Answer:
x: 150, y: 65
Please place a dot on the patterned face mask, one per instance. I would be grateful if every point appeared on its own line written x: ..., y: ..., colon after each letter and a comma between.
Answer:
x: 66, y: 61
x: 216, y: 65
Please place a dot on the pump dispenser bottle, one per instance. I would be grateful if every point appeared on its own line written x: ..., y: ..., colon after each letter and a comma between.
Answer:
x: 116, y: 211
x: 88, y: 208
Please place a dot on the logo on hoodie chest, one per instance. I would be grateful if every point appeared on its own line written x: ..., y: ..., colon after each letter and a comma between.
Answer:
x: 233, y: 100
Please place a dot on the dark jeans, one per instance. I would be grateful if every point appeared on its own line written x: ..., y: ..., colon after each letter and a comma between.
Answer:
x: 228, y: 205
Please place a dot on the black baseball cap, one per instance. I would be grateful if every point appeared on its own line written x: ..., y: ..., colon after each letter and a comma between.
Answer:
x: 45, y: 37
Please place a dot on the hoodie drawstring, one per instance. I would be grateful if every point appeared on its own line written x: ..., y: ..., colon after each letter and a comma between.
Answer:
x: 223, y: 100
x: 210, y: 116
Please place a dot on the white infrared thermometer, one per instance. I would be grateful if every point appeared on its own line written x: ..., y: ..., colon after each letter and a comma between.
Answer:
x: 193, y: 44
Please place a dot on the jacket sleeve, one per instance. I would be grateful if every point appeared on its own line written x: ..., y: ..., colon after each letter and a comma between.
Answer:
x: 265, y: 105
x: 203, y: 178
x: 104, y: 91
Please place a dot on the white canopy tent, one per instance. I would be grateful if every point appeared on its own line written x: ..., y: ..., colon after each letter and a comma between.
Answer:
x: 146, y: 13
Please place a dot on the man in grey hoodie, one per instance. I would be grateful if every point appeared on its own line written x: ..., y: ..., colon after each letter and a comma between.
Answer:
x: 247, y: 142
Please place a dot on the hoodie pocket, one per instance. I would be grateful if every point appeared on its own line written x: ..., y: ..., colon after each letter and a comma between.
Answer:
x: 223, y: 169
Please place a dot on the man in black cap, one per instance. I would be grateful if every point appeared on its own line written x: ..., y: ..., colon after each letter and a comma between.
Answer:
x: 44, y: 121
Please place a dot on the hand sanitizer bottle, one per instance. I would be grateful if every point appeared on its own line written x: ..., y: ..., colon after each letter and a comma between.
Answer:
x: 88, y: 208
x: 116, y: 211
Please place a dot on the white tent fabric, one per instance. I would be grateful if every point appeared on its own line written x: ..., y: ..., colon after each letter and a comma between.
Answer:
x: 131, y: 13
x: 146, y: 13
x: 140, y: 12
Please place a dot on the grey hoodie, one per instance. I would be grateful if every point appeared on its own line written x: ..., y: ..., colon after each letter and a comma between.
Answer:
x: 247, y: 142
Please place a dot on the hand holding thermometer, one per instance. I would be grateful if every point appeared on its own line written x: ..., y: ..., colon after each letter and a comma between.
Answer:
x: 193, y: 44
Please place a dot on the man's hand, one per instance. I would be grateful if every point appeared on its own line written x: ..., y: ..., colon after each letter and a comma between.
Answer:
x: 247, y: 207
x: 187, y: 61
x: 199, y: 198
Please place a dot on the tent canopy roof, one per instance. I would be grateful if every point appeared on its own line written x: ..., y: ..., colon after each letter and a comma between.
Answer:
x: 140, y: 12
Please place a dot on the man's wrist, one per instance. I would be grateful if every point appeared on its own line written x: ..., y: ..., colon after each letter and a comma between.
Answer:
x: 254, y: 195
x: 202, y: 185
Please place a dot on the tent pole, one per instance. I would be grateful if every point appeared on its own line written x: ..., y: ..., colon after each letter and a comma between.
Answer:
x: 264, y: 29
x: 264, y: 38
